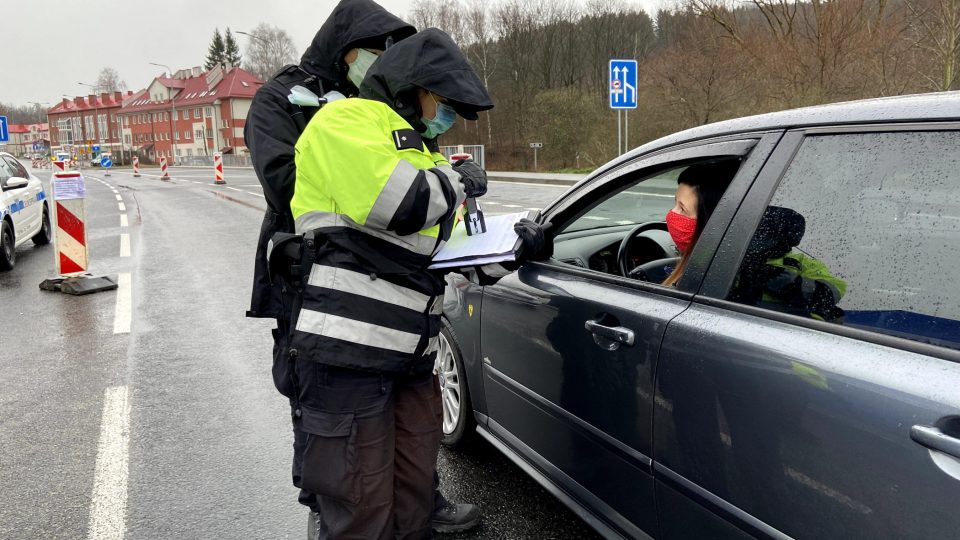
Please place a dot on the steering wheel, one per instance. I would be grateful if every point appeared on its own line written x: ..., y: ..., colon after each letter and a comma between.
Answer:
x: 654, y: 271
x: 638, y: 231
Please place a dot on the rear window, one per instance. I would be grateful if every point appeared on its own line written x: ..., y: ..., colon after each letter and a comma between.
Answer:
x: 864, y: 231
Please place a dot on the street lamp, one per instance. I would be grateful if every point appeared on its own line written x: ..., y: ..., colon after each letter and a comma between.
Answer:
x: 173, y: 111
x: 251, y: 36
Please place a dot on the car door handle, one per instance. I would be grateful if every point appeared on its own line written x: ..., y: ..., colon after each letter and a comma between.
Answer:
x: 613, y: 333
x: 934, y: 439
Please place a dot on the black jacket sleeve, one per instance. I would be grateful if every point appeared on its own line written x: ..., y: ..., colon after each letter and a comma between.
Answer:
x: 271, y: 132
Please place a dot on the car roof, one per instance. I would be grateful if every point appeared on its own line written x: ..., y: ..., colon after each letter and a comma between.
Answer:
x: 931, y: 107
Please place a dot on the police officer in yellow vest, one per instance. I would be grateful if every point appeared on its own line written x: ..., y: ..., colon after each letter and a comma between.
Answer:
x: 375, y: 200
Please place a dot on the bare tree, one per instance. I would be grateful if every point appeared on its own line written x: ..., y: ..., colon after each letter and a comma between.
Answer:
x: 447, y: 15
x: 108, y: 81
x: 270, y: 49
x: 936, y: 25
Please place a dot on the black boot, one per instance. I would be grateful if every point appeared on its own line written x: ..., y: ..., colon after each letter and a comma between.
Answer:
x: 452, y: 518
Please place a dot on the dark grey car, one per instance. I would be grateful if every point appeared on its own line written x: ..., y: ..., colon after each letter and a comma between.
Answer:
x: 715, y: 408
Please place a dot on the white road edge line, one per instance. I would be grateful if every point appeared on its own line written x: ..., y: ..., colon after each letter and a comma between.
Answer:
x: 119, y: 198
x: 123, y: 221
x: 123, y: 312
x: 124, y: 245
x: 108, y: 505
x: 123, y: 207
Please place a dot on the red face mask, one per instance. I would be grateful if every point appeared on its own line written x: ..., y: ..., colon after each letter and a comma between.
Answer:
x: 681, y: 229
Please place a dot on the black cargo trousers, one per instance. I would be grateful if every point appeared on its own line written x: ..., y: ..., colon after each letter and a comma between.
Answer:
x: 370, y: 450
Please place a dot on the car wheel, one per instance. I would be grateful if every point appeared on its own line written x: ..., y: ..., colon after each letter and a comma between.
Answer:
x: 8, y: 250
x: 44, y: 236
x: 458, y: 421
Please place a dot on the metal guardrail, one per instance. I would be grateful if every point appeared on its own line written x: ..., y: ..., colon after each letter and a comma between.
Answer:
x: 229, y: 160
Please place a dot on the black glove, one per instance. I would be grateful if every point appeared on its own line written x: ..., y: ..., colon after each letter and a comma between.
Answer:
x: 473, y: 178
x: 533, y: 243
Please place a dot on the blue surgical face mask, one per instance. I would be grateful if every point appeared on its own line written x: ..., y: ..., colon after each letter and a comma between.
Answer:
x: 443, y: 121
x: 358, y: 69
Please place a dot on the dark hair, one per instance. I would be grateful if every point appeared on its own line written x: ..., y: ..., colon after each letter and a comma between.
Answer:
x: 709, y: 182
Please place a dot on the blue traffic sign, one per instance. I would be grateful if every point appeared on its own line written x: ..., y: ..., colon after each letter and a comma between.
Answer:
x: 623, y: 84
x: 4, y: 132
x: 106, y: 162
x: 96, y: 148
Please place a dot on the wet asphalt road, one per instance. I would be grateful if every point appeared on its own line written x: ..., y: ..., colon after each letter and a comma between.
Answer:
x: 208, y: 438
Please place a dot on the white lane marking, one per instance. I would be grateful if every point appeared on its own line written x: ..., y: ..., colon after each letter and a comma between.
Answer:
x: 124, y: 245
x: 122, y: 207
x: 485, y: 203
x: 235, y: 189
x: 108, y: 505
x: 119, y: 198
x: 196, y: 181
x: 112, y: 189
x: 251, y: 185
x: 511, y: 206
x: 554, y: 186
x: 648, y: 194
x: 255, y: 194
x: 123, y: 221
x: 123, y: 312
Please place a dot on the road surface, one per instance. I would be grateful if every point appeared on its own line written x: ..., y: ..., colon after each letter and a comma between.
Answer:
x: 149, y: 412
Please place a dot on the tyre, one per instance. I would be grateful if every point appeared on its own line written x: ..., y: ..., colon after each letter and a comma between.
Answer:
x: 45, y: 234
x: 459, y: 425
x: 8, y: 250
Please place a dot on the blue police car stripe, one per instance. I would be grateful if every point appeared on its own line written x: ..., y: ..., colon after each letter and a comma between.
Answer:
x: 41, y: 196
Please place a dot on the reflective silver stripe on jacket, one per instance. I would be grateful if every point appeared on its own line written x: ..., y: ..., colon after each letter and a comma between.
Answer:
x: 371, y: 335
x: 348, y: 281
x: 440, y: 180
x: 420, y: 244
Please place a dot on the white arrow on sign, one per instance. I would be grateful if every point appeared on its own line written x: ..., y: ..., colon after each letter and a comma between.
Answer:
x: 627, y: 88
x: 617, y: 92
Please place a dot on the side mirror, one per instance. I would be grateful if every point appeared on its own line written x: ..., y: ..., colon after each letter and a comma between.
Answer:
x: 15, y: 183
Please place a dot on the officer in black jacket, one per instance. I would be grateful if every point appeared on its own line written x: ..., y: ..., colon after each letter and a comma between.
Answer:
x: 273, y: 126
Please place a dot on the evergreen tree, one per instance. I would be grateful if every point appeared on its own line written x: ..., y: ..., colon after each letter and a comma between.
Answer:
x: 231, y: 53
x: 216, y: 54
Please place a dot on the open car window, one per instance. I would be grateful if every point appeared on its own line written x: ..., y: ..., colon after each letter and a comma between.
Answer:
x: 646, y: 199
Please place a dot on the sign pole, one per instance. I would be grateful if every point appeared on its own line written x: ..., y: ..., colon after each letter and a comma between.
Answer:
x: 619, y: 133
x: 626, y: 130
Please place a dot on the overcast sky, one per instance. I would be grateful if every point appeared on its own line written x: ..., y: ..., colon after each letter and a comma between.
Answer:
x: 48, y: 46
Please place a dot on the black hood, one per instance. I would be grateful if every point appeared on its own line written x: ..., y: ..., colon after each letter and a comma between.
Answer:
x: 428, y: 60
x: 353, y: 24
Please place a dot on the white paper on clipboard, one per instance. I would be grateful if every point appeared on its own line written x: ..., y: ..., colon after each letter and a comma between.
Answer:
x: 498, y: 244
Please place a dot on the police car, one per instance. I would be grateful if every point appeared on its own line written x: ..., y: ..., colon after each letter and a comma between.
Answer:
x: 24, y: 214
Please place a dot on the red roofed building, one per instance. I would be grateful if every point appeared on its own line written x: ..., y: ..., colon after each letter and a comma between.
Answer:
x: 192, y: 113
x: 23, y: 137
x: 86, y: 121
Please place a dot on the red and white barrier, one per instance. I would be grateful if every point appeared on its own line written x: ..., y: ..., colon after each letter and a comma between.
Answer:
x: 218, y: 168
x: 136, y: 167
x: 164, y: 175
x: 70, y: 231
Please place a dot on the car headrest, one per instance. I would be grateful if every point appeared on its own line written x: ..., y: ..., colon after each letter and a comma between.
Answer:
x: 779, y: 231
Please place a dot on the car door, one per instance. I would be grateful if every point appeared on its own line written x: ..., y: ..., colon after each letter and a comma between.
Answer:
x: 28, y: 213
x: 811, y: 389
x: 12, y: 197
x: 569, y: 351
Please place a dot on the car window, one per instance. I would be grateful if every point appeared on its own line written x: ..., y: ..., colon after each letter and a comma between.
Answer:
x: 5, y: 173
x: 864, y: 231
x: 646, y: 199
x: 16, y: 169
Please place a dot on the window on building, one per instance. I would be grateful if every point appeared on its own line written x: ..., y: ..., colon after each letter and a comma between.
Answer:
x: 186, y: 135
x: 88, y: 127
x: 176, y: 135
x: 101, y: 124
x: 198, y: 133
x: 209, y: 133
x: 209, y: 112
x: 197, y: 113
x: 178, y: 152
x: 226, y: 123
